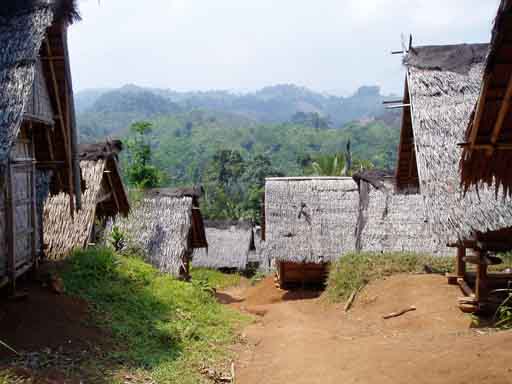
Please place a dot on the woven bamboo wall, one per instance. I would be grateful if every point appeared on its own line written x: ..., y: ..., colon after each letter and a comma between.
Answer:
x: 396, y: 223
x: 62, y: 233
x: 227, y: 248
x: 310, y: 220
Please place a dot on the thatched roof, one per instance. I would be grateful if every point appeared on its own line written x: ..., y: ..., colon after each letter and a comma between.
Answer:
x: 310, y: 219
x: 167, y: 227
x: 487, y: 155
x: 441, y: 104
x: 31, y: 89
x: 392, y: 222
x: 229, y: 244
x: 104, y: 196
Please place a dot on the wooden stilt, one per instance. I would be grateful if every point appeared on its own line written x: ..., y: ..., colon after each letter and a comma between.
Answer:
x: 460, y: 268
x: 481, y: 280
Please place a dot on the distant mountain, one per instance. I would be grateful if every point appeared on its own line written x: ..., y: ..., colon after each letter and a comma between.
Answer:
x: 110, y: 112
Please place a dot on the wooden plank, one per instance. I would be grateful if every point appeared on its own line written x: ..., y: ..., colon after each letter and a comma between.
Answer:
x: 111, y: 183
x: 67, y: 142
x: 504, y: 108
x: 11, y: 228
x: 475, y: 127
x: 33, y: 206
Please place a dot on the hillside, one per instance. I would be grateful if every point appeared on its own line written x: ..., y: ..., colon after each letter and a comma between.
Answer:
x: 276, y: 131
x: 108, y: 112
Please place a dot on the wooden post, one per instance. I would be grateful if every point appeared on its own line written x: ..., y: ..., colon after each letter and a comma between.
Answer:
x: 11, y: 228
x: 481, y: 279
x: 460, y: 267
x: 33, y: 206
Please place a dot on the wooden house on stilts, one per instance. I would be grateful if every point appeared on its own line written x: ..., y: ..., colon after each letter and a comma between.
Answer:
x: 38, y: 141
x: 442, y: 86
x: 309, y: 223
x: 104, y: 197
x: 486, y: 164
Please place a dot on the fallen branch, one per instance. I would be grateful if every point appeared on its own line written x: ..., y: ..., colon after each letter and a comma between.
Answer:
x: 4, y: 344
x: 350, y: 300
x: 233, y: 377
x: 399, y: 313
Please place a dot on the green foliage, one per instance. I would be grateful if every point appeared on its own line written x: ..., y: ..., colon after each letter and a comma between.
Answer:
x: 139, y: 170
x: 355, y: 270
x: 504, y: 313
x: 166, y: 327
x: 117, y: 238
x: 330, y: 165
x: 233, y: 185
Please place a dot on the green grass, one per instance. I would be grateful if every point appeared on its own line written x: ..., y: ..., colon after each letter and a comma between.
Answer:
x: 355, y: 270
x: 166, y: 328
x: 214, y: 279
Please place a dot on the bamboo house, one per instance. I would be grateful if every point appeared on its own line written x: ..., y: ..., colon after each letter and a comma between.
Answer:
x: 442, y: 87
x: 166, y: 224
x: 229, y: 246
x: 38, y: 140
x: 104, y: 197
x: 390, y: 221
x: 309, y: 222
x: 487, y: 146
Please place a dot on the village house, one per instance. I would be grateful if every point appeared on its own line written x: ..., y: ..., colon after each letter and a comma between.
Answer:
x: 38, y: 140
x: 104, y: 197
x: 487, y: 146
x: 229, y: 246
x: 442, y: 87
x: 309, y: 223
x: 166, y: 224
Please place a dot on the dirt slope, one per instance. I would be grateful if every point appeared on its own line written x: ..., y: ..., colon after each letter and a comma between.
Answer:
x: 309, y: 341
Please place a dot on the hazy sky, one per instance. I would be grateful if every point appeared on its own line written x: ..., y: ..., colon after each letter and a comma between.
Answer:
x: 327, y: 45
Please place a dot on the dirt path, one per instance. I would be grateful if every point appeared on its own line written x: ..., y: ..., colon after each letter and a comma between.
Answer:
x: 305, y: 340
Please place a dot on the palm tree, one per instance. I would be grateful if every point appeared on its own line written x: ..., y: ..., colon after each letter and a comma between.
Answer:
x: 330, y: 165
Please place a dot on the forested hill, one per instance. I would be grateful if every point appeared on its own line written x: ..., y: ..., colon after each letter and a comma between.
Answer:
x: 279, y: 130
x: 108, y: 112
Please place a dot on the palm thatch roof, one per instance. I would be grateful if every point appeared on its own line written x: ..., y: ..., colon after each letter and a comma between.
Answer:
x: 487, y: 155
x: 166, y: 224
x: 442, y: 85
x: 310, y: 219
x: 36, y: 87
x: 229, y: 245
x: 392, y: 222
x: 104, y: 197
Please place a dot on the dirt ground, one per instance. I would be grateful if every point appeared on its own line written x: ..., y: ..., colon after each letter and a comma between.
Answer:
x: 300, y: 338
x: 47, y: 330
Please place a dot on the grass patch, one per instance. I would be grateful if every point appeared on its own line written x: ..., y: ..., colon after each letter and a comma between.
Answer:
x: 355, y: 270
x: 166, y: 328
x: 215, y: 279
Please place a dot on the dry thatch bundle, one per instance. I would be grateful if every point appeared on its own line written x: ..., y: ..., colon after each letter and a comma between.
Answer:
x: 442, y: 97
x: 167, y: 226
x: 229, y: 245
x: 310, y: 219
x: 104, y: 197
x: 391, y: 222
x: 487, y: 155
